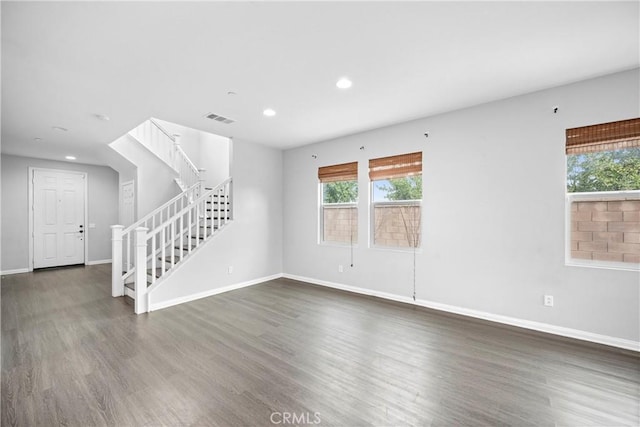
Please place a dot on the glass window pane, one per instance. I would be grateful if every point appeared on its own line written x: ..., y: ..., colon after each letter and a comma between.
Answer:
x: 407, y: 188
x: 614, y: 170
x: 340, y: 192
x: 340, y: 224
x: 606, y: 230
x: 397, y: 225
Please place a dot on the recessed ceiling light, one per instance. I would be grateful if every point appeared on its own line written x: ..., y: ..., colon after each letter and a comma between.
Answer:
x: 37, y: 139
x: 344, y: 83
x: 103, y: 117
x: 70, y: 157
x: 269, y: 112
x: 231, y: 93
x: 60, y: 128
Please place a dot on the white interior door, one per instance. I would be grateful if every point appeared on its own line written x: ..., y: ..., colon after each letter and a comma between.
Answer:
x: 128, y: 194
x: 58, y: 218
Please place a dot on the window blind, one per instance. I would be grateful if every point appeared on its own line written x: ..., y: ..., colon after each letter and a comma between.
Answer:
x: 603, y: 137
x: 342, y: 172
x: 395, y: 166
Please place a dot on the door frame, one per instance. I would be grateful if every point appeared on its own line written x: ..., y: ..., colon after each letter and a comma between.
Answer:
x: 121, y: 202
x: 30, y: 178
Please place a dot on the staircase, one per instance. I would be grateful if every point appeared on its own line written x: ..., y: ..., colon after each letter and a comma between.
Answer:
x: 146, y: 252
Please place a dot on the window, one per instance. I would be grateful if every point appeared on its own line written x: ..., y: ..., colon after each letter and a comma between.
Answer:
x: 396, y: 194
x: 339, y: 198
x: 603, y: 194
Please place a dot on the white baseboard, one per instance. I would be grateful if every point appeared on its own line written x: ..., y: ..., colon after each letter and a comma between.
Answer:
x: 211, y: 292
x: 15, y: 271
x: 99, y: 261
x: 527, y: 324
x: 26, y: 270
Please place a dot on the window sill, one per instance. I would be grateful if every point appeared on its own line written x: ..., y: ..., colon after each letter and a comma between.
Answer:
x: 338, y: 245
x: 396, y: 249
x: 621, y: 266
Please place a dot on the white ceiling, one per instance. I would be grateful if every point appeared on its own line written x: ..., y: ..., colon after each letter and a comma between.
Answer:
x: 64, y: 62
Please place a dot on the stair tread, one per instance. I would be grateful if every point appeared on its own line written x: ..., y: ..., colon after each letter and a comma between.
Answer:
x: 132, y: 286
x: 215, y: 195
x: 158, y: 271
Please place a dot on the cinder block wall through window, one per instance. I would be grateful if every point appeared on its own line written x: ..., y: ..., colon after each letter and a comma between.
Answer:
x: 606, y: 230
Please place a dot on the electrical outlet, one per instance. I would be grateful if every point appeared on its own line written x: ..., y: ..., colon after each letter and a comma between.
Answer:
x: 230, y: 269
x: 340, y: 268
x: 548, y: 300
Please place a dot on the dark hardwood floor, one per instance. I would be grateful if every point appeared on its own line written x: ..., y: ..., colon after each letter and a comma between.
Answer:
x: 285, y: 351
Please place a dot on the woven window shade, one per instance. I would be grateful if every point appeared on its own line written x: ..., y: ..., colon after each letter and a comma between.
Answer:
x: 603, y: 137
x: 395, y: 166
x: 343, y: 172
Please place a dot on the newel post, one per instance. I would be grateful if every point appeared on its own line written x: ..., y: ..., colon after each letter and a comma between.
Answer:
x: 141, y: 270
x: 117, y: 284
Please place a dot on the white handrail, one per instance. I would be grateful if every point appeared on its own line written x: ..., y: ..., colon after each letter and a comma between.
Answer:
x: 189, y: 194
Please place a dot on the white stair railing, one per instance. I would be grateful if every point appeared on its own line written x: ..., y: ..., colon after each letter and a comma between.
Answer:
x: 160, y: 247
x: 167, y: 148
x: 188, y: 174
x: 123, y: 239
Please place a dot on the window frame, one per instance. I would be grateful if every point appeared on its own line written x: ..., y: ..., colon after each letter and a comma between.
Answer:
x: 602, y: 137
x: 331, y: 174
x: 322, y: 206
x: 387, y: 168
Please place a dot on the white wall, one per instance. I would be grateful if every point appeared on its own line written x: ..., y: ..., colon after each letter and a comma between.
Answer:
x: 214, y: 157
x: 155, y: 180
x: 493, y: 217
x: 252, y: 243
x: 102, y: 204
x: 127, y: 171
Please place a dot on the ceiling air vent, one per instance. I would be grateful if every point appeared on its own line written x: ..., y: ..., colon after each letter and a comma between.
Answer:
x: 219, y: 118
